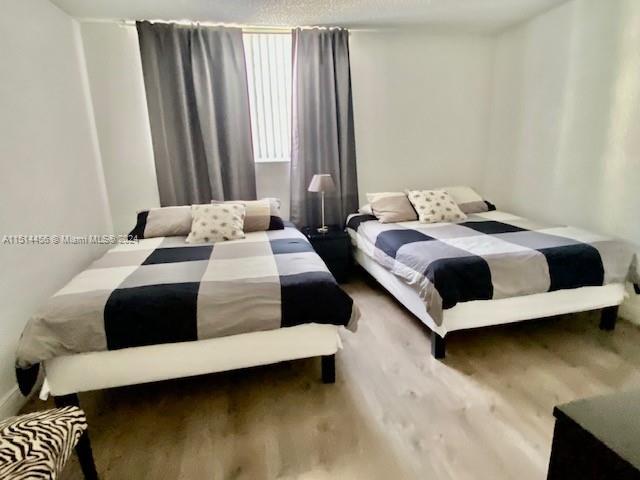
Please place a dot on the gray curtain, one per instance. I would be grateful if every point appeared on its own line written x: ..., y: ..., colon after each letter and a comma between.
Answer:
x: 196, y: 83
x: 322, y: 137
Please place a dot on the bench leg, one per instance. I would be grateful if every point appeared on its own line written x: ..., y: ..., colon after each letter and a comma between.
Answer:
x: 608, y: 318
x: 83, y: 448
x: 328, y: 368
x: 438, y: 346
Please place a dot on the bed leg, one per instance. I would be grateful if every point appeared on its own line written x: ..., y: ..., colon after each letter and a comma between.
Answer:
x: 608, y: 318
x: 83, y: 448
x: 438, y: 346
x: 328, y: 369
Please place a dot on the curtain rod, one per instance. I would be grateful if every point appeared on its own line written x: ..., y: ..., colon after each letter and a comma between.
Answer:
x: 245, y: 28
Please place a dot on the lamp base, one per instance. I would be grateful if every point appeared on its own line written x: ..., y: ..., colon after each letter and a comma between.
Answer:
x: 323, y: 229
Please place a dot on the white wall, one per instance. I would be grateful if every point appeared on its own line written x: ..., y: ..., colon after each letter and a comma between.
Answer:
x: 49, y: 167
x: 565, y: 134
x: 122, y: 120
x: 413, y: 111
x: 117, y: 88
x: 421, y: 104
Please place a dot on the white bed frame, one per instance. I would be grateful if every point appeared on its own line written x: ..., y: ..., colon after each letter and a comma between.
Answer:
x: 68, y: 375
x: 481, y: 313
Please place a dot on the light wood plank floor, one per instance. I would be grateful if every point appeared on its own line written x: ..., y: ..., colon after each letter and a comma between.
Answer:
x: 394, y: 413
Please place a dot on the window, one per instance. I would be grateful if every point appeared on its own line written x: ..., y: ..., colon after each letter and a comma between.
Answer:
x: 268, y: 57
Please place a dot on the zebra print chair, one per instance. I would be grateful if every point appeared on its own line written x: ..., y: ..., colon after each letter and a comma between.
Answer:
x: 37, y: 445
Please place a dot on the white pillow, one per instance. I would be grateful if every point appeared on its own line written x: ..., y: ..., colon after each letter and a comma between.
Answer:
x: 435, y: 206
x: 260, y: 215
x: 366, y: 209
x: 216, y: 222
x: 467, y: 199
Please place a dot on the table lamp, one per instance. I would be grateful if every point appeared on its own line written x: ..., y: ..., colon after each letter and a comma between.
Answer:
x: 322, y: 183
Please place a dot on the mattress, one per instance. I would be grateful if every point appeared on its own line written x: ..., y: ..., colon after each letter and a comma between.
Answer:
x: 164, y: 290
x: 492, y: 255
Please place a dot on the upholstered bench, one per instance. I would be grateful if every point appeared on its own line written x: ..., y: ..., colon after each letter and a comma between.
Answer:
x: 37, y: 445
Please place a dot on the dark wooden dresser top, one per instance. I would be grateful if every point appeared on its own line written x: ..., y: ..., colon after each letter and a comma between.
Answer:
x: 613, y: 419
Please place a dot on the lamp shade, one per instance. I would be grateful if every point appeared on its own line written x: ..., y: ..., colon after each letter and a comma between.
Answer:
x: 321, y: 182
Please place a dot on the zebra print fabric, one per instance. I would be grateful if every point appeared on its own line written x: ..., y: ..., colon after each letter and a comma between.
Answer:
x: 37, y: 445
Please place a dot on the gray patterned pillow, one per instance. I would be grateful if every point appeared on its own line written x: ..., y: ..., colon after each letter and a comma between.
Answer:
x: 216, y: 222
x: 435, y: 206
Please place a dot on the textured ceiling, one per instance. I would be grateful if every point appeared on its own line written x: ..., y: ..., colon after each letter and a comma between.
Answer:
x: 481, y: 15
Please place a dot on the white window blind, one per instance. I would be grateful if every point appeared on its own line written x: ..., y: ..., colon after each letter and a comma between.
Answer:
x: 268, y: 57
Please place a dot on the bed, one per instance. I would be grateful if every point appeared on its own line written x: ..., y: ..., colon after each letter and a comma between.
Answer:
x: 161, y: 308
x: 493, y: 268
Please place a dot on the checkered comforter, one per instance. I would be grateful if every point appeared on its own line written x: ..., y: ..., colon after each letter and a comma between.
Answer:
x: 491, y: 255
x: 163, y: 290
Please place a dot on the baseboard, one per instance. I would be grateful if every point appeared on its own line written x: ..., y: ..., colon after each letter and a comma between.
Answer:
x: 11, y: 403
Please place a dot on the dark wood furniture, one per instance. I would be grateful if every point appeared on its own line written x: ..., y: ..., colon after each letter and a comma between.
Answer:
x: 328, y: 363
x: 438, y: 346
x: 597, y: 438
x: 83, y: 448
x: 334, y: 247
x: 608, y: 318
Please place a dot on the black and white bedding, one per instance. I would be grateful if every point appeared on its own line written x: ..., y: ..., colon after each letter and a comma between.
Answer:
x: 491, y: 255
x: 164, y: 290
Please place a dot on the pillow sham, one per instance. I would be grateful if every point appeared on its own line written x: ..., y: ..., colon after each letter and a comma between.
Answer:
x: 468, y: 199
x: 435, y: 206
x: 260, y: 215
x: 390, y: 207
x: 216, y: 222
x: 162, y: 222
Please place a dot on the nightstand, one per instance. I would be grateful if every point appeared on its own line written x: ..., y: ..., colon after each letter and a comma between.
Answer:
x: 334, y: 247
